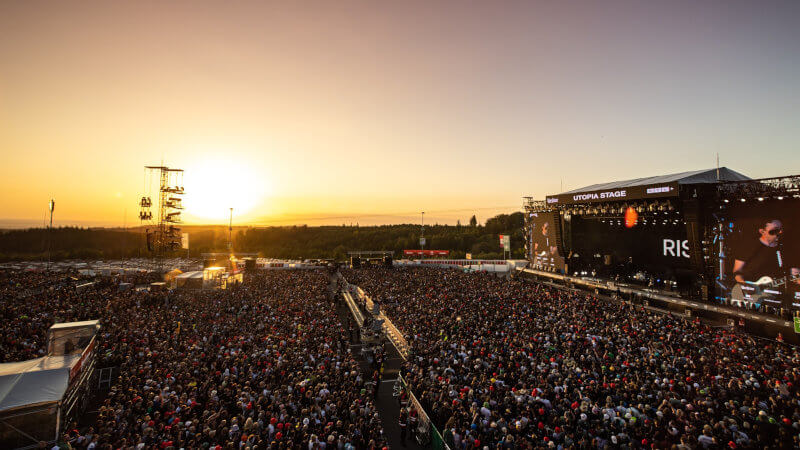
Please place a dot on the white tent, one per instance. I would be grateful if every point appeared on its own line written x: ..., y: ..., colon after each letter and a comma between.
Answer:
x: 37, y: 395
x: 31, y: 397
x: 193, y: 279
x: 36, y: 381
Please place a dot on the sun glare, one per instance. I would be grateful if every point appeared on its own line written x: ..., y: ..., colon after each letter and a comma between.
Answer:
x: 214, y: 186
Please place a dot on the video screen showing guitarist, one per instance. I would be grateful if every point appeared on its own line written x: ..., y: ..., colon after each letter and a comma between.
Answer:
x: 761, y: 266
x: 543, y: 245
x: 543, y: 242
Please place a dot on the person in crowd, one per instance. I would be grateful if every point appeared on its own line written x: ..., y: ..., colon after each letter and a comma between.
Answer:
x: 402, y: 422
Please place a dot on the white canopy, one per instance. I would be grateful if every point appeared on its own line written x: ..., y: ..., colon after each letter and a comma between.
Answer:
x: 35, y: 381
x: 194, y: 274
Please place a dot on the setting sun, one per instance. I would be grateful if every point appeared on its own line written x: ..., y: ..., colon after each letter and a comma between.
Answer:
x: 213, y: 186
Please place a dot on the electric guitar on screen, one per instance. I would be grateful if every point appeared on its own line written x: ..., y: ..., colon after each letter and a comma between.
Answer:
x: 754, y: 291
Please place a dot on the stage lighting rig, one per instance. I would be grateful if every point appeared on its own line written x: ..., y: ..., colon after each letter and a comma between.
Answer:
x: 763, y: 189
x: 144, y: 212
x: 165, y: 236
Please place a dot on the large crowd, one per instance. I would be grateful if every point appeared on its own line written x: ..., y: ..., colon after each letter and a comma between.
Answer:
x: 30, y: 302
x: 512, y: 364
x: 264, y: 365
x: 496, y: 363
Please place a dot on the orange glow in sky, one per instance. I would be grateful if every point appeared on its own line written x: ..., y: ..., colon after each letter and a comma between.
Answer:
x: 370, y: 112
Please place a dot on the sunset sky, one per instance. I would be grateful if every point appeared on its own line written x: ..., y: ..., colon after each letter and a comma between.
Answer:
x: 343, y: 112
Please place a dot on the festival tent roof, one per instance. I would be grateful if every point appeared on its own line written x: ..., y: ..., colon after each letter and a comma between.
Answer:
x: 692, y: 177
x: 193, y: 274
x: 69, y: 325
x: 35, y: 381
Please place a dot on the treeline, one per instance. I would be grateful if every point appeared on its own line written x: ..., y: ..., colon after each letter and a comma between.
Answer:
x: 70, y: 243
x: 296, y: 242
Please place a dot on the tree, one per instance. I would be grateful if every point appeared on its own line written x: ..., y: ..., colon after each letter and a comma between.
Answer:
x: 272, y: 242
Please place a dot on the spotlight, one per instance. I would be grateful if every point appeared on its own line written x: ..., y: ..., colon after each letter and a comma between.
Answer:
x: 761, y: 199
x: 780, y: 197
x: 742, y: 200
x: 727, y: 201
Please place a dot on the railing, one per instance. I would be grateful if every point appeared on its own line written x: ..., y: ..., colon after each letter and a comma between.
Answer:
x: 437, y: 442
x: 354, y: 310
x: 396, y: 336
x: 400, y: 343
x: 391, y: 331
x: 106, y: 377
x: 649, y: 294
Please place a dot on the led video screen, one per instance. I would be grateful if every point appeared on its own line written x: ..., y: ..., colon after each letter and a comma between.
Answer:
x: 758, y: 246
x: 542, y: 245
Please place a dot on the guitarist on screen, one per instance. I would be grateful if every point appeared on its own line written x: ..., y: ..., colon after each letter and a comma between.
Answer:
x: 543, y: 246
x: 761, y: 263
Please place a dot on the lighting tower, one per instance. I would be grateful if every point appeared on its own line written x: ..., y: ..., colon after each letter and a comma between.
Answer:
x: 165, y: 236
x: 230, y: 234
x: 422, y: 236
x: 51, y: 206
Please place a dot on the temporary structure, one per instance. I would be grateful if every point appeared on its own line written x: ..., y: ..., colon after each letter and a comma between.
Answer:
x: 39, y: 395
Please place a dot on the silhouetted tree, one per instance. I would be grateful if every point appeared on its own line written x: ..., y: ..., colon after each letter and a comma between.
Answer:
x: 276, y: 242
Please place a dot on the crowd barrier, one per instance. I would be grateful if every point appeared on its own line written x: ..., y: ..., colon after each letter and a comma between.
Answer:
x: 354, y: 309
x: 400, y: 343
x: 437, y: 442
x: 762, y: 324
x: 389, y: 329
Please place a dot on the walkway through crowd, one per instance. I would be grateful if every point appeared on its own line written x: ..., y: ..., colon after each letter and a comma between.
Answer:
x: 387, y: 404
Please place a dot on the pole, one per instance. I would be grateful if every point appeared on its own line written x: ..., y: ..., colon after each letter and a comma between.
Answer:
x: 52, y: 206
x: 422, y: 236
x: 124, y: 238
x: 230, y: 233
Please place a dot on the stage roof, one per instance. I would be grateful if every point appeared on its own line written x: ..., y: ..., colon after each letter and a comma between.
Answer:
x: 643, y: 188
x: 693, y: 177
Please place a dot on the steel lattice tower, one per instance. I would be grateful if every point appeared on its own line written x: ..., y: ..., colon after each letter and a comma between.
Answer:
x: 165, y: 236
